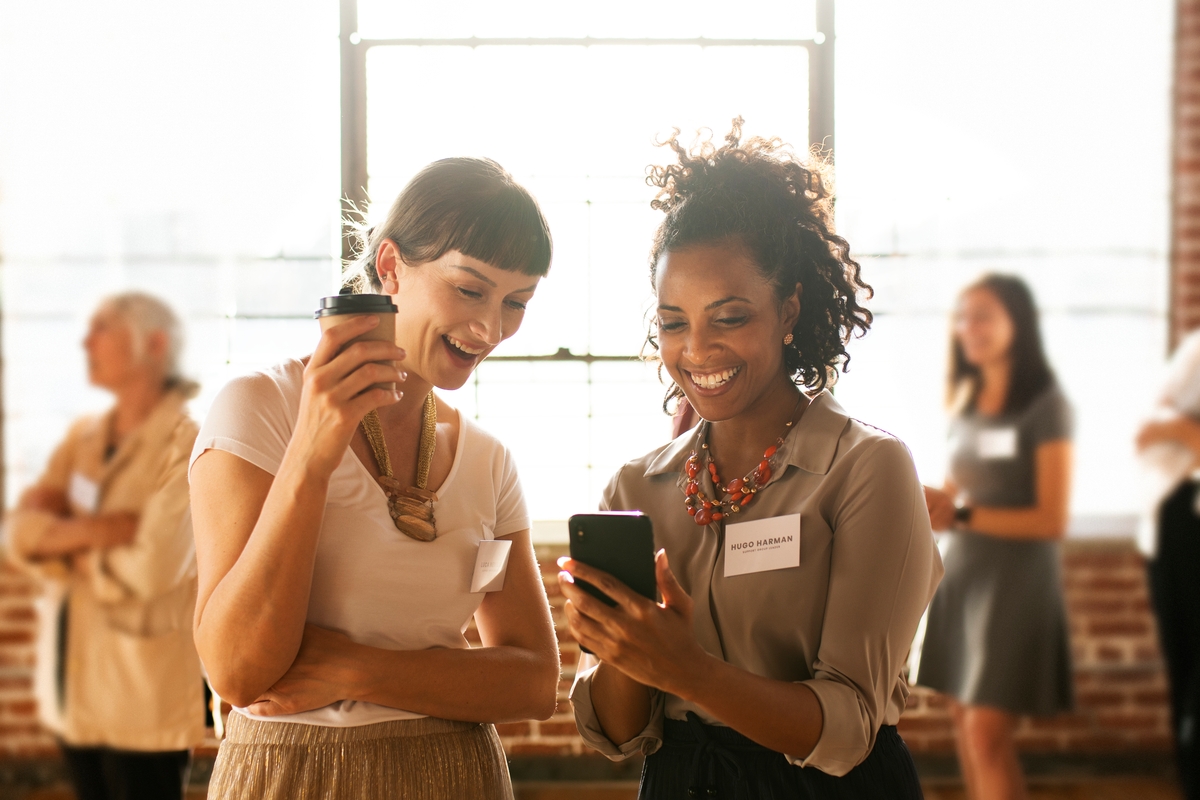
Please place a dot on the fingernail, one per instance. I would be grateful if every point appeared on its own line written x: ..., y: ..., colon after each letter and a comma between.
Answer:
x: 403, y: 376
x: 566, y: 576
x: 562, y: 560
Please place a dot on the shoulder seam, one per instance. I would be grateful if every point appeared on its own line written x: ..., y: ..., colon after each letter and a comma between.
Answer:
x: 886, y: 433
x: 858, y: 465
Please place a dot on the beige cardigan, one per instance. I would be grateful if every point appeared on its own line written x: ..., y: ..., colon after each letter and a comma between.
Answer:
x: 132, y: 677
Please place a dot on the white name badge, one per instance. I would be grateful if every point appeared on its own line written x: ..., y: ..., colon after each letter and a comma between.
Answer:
x: 491, y: 565
x: 84, y: 493
x: 762, y: 545
x: 997, y: 443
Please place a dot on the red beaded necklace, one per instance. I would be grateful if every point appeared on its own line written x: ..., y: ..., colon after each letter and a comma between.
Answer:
x: 738, y: 494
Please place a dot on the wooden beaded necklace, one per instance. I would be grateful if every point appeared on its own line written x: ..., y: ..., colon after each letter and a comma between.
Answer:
x: 411, y: 507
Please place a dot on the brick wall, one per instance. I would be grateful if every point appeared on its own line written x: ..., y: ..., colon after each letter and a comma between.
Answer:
x: 1119, y: 680
x: 1185, y: 194
x: 20, y: 734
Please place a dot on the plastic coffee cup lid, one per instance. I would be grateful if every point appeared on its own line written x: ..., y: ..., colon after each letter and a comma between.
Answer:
x: 355, y: 304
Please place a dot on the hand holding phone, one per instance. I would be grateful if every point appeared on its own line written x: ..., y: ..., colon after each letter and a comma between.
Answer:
x: 620, y: 543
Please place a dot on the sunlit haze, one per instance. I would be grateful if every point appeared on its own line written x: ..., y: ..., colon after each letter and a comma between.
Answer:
x: 193, y: 150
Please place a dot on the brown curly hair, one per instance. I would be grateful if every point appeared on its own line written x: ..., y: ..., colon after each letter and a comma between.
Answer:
x: 758, y: 194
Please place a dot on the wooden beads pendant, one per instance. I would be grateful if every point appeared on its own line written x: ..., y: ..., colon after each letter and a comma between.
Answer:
x: 410, y: 507
x: 737, y: 495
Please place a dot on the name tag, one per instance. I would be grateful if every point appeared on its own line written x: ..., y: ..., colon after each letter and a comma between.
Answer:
x: 84, y: 493
x: 491, y: 565
x: 997, y: 443
x: 762, y: 545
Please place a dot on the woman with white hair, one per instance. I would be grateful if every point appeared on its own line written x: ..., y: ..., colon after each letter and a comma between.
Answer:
x: 104, y: 530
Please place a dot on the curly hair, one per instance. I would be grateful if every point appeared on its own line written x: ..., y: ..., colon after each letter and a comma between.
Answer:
x: 758, y: 194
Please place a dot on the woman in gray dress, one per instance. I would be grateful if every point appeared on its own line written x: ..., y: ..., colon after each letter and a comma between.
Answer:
x: 996, y: 636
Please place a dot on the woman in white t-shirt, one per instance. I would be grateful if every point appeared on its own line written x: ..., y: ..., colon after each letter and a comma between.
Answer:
x: 332, y: 601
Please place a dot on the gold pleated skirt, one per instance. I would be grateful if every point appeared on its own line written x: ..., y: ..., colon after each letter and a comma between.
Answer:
x: 429, y: 759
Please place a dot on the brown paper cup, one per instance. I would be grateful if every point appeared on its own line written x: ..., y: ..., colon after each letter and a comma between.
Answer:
x: 385, y: 331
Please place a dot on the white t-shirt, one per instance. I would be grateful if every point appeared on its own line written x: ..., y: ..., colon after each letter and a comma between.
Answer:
x: 1165, y: 464
x: 371, y: 582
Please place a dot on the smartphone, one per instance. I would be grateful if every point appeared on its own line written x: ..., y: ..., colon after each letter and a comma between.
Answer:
x: 619, y: 542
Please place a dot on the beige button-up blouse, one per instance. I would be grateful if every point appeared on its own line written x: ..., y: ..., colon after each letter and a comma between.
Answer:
x: 841, y: 623
x: 132, y: 677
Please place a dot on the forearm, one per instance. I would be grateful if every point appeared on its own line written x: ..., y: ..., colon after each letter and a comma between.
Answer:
x: 44, y: 498
x: 622, y: 704
x: 250, y: 629
x: 1047, y: 517
x: 481, y: 684
x: 59, y: 536
x: 1018, y: 523
x: 63, y: 537
x: 783, y: 716
x: 1188, y: 432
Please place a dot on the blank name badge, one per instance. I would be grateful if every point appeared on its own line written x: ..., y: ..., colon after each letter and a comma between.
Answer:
x: 84, y: 493
x: 491, y: 564
x: 762, y: 545
x: 997, y: 443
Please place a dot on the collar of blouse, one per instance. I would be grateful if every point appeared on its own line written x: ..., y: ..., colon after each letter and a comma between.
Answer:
x: 158, y: 427
x: 811, y: 444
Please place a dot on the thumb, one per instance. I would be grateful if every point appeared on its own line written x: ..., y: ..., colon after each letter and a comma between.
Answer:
x: 673, y: 594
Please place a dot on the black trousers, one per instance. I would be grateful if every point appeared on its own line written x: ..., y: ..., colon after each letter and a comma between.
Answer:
x: 101, y: 773
x: 716, y: 763
x: 1174, y: 577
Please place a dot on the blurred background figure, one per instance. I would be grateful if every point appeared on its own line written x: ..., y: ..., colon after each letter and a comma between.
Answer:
x: 105, y: 530
x: 996, y: 635
x: 1169, y: 451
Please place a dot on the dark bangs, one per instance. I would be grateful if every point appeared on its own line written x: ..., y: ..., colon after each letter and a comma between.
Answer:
x: 473, y: 206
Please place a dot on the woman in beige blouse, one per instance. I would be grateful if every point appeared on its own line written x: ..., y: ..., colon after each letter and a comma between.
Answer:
x: 104, y: 530
x: 796, y: 555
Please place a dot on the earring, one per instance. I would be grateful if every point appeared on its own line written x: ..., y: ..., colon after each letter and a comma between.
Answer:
x: 787, y: 340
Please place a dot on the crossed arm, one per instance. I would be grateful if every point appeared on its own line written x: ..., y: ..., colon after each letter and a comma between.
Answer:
x: 1172, y: 427
x: 65, y: 535
x: 256, y: 546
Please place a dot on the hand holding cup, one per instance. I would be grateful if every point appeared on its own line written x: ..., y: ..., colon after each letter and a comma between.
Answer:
x: 353, y: 370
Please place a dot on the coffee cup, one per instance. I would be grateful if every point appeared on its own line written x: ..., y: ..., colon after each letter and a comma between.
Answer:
x: 341, y: 308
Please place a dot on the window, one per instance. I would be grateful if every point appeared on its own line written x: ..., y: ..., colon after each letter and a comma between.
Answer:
x: 1030, y: 138
x: 576, y: 125
x: 1021, y: 136
x: 191, y: 153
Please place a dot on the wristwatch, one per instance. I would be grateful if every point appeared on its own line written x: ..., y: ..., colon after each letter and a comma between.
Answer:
x: 962, y: 517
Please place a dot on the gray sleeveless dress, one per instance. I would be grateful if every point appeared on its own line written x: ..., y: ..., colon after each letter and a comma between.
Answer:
x: 996, y: 633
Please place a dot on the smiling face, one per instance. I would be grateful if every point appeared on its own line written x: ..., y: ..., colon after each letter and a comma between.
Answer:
x: 721, y: 328
x: 983, y: 328
x: 453, y: 311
